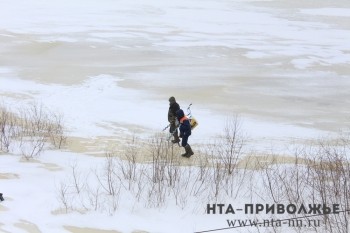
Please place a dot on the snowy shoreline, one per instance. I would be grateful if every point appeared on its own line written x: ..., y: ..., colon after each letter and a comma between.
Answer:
x: 109, y: 67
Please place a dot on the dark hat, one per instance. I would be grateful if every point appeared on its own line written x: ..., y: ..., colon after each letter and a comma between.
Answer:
x: 180, y: 114
x: 172, y: 99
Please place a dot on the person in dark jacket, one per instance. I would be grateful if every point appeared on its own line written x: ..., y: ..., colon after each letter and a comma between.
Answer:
x: 185, y: 132
x: 173, y: 108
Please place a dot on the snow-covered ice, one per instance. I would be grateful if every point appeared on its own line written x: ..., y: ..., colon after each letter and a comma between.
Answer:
x: 110, y: 66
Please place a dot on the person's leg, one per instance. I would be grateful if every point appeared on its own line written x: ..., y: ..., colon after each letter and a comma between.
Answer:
x: 185, y: 145
x: 173, y: 130
x: 189, y: 151
x: 184, y: 141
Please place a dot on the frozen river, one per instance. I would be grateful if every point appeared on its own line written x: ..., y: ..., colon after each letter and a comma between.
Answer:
x: 109, y: 67
x: 282, y: 66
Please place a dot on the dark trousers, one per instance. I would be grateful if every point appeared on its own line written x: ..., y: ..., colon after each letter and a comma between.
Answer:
x: 184, y: 141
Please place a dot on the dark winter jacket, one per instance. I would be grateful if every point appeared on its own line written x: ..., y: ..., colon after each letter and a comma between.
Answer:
x: 185, y: 126
x: 173, y: 108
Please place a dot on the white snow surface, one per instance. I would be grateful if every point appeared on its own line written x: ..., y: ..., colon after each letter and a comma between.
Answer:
x: 261, y: 31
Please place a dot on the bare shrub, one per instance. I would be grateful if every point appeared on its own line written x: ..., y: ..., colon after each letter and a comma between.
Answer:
x: 128, y: 164
x: 108, y: 179
x: 320, y: 175
x: 63, y: 196
x: 7, y: 128
x: 235, y: 183
x: 140, y: 183
x: 158, y: 148
x: 164, y: 176
x: 34, y: 133
x: 225, y: 153
x: 182, y: 188
x: 77, y: 177
x: 83, y: 192
x: 157, y: 183
x: 274, y: 177
x: 329, y: 168
x: 29, y: 129
x: 230, y: 145
x: 218, y: 176
x: 94, y: 197
x: 56, y: 130
x: 201, y: 177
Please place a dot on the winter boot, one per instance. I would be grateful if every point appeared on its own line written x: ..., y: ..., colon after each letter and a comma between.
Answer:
x: 1, y: 198
x: 188, y: 150
x: 176, y: 138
